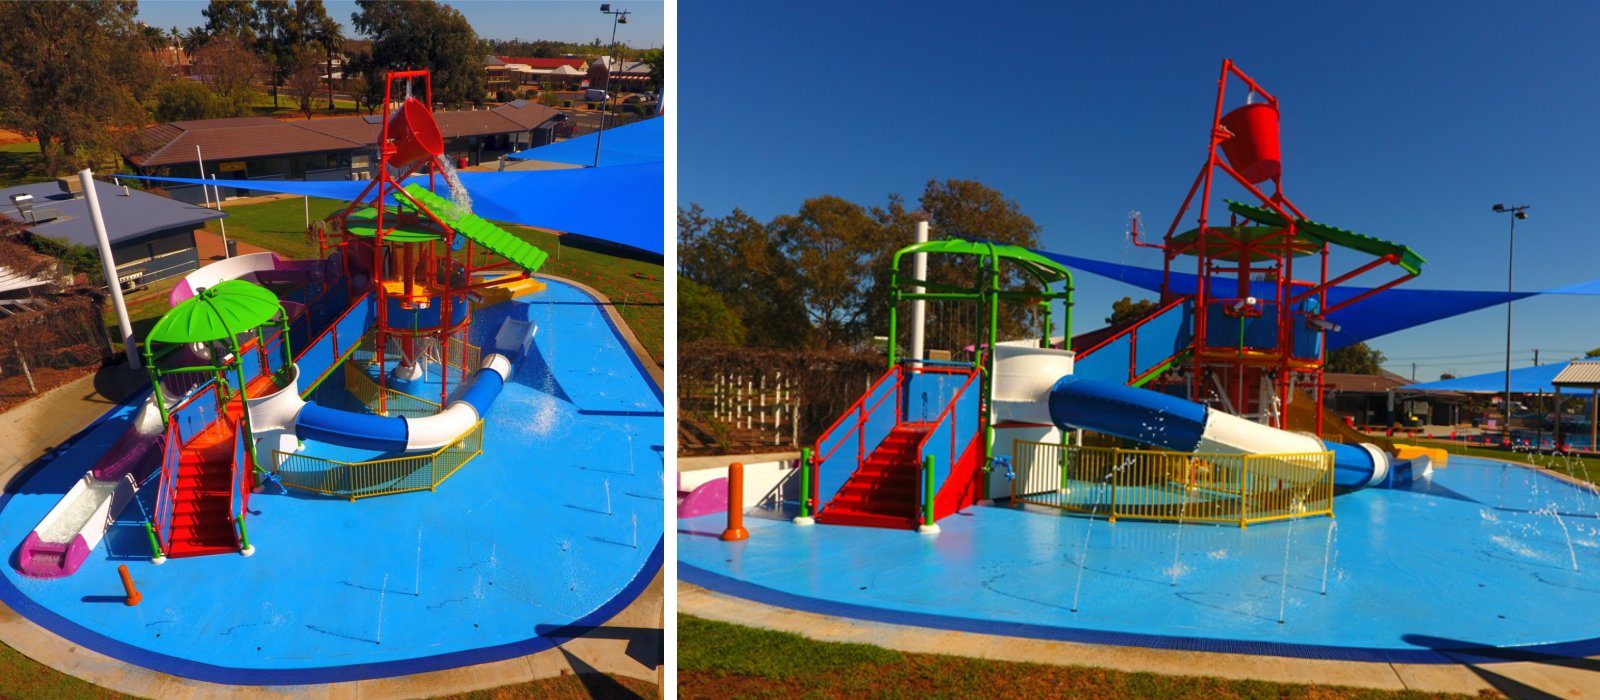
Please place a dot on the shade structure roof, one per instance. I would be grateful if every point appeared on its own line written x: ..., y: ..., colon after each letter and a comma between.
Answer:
x: 639, y: 142
x: 616, y: 203
x: 1042, y: 268
x: 1537, y: 379
x: 1380, y: 314
x: 218, y: 312
x: 1579, y: 374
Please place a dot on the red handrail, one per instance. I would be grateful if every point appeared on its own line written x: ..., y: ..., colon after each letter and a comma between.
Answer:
x: 1163, y: 309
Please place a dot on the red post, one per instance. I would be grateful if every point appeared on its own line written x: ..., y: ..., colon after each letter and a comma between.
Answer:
x: 735, y: 531
x: 127, y: 586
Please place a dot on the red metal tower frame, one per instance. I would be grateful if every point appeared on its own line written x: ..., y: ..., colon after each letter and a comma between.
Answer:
x: 1222, y: 365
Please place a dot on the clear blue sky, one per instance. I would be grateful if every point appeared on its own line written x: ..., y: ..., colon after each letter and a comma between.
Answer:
x: 1401, y: 120
x: 557, y: 20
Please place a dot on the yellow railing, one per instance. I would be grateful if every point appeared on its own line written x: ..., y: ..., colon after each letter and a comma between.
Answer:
x: 380, y: 477
x: 396, y: 403
x: 1163, y: 485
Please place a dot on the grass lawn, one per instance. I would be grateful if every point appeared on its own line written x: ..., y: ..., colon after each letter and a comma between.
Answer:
x: 289, y: 106
x: 717, y: 659
x: 20, y: 163
x: 634, y: 286
x: 22, y: 677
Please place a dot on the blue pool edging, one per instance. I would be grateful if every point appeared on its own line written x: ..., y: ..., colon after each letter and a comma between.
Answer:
x: 1479, y: 654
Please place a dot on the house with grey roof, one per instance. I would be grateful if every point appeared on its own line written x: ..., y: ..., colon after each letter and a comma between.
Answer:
x: 152, y: 237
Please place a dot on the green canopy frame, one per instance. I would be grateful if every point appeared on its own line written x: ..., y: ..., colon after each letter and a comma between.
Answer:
x: 217, y: 316
x: 988, y: 289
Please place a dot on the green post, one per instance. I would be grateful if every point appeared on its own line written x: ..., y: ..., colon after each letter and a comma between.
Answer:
x: 155, y: 546
x: 805, y: 487
x: 244, y: 537
x: 894, y: 306
x: 928, y: 495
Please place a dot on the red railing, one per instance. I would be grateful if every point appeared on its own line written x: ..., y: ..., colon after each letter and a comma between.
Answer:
x: 1136, y: 372
x: 853, y: 423
x: 171, y: 454
x: 948, y: 429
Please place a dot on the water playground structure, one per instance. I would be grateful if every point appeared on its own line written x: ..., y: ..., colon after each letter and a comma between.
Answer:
x: 340, y: 412
x: 1058, y: 480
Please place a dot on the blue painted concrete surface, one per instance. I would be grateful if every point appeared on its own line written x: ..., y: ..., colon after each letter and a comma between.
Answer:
x: 1477, y: 558
x: 559, y: 521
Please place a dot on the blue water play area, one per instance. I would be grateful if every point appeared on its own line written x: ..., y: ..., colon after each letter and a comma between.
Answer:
x: 1486, y: 554
x: 554, y: 527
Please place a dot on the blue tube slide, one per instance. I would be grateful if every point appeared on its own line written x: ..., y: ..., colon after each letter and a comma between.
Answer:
x: 1172, y: 423
x: 401, y: 434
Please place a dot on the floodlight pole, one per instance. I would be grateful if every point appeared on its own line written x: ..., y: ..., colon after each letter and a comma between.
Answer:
x: 617, y: 16
x: 108, y: 264
x: 1516, y: 212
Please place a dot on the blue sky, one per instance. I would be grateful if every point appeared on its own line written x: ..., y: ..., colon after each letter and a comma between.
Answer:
x: 1400, y: 120
x: 558, y: 20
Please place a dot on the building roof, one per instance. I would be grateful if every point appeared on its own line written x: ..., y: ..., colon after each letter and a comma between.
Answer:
x: 229, y: 139
x: 1363, y: 383
x: 127, y: 216
x: 1583, y: 374
x: 257, y: 137
x: 528, y: 115
x: 545, y: 63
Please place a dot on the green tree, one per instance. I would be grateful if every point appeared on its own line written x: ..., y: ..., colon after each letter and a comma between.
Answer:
x: 1355, y: 359
x: 423, y: 34
x: 1593, y: 353
x: 70, y: 74
x: 329, y: 35
x: 180, y: 100
x: 235, y: 18
x: 1126, y: 309
x: 704, y: 316
x: 230, y: 67
x: 737, y: 257
x: 831, y: 245
x: 957, y: 209
x: 306, y: 78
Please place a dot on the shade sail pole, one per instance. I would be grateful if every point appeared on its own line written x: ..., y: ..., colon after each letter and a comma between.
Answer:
x: 108, y: 264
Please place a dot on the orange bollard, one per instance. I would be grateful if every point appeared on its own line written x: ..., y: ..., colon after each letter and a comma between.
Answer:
x: 127, y: 586
x: 735, y: 531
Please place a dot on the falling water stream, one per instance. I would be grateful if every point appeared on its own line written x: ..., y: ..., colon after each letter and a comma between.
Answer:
x: 1327, y: 552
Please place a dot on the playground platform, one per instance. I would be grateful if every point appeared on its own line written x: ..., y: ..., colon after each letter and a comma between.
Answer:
x: 522, y: 545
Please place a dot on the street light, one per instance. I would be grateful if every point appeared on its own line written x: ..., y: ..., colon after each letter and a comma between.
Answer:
x: 1517, y: 213
x: 617, y: 17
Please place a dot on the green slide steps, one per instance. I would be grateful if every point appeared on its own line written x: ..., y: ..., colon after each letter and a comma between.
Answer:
x: 493, y: 238
x: 1408, y: 258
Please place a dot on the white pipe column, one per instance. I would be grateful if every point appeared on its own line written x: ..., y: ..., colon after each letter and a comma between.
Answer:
x: 109, y: 266
x: 919, y: 271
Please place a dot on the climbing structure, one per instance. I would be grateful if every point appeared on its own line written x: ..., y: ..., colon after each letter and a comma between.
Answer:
x: 1253, y: 331
x: 424, y: 257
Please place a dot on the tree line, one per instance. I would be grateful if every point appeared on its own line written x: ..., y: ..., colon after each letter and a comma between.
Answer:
x: 818, y: 278
x: 82, y: 77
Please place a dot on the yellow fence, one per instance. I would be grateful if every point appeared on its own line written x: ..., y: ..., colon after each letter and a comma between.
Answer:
x: 1163, y: 485
x: 355, y: 480
x: 380, y: 477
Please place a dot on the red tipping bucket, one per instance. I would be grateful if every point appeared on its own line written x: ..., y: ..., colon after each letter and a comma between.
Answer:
x: 1253, y: 150
x: 414, y: 133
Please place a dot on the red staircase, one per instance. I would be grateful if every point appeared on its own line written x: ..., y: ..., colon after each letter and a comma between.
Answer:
x: 885, y: 491
x: 201, y: 523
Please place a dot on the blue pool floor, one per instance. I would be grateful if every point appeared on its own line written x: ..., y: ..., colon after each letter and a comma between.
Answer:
x: 1477, y: 557
x: 557, y: 523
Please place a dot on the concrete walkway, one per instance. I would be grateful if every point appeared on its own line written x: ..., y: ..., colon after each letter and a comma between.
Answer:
x: 629, y: 644
x: 1553, y: 678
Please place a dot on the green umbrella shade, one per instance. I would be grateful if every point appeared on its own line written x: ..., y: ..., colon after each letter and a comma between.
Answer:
x: 219, y: 312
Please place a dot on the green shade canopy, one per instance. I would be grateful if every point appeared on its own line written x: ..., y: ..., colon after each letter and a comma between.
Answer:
x: 1246, y: 234
x: 1404, y: 255
x: 219, y: 312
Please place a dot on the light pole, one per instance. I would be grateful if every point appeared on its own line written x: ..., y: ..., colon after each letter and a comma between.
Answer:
x: 617, y: 17
x: 1517, y: 212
